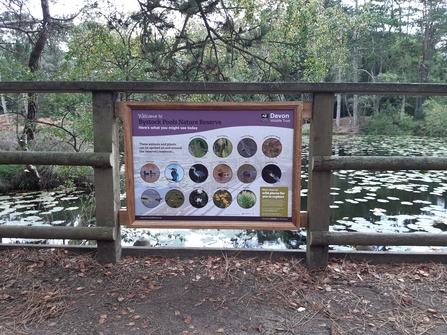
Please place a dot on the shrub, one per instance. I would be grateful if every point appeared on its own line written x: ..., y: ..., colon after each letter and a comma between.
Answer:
x: 72, y: 176
x: 435, y: 110
x: 389, y: 121
x: 15, y: 177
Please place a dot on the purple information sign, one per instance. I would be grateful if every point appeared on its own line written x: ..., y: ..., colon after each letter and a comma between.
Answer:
x: 213, y: 165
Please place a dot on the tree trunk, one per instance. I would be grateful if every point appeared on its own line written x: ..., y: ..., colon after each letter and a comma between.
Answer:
x: 5, y: 109
x: 34, y: 66
x: 355, y: 69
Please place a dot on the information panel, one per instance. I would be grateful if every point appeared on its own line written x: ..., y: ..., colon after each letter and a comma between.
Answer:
x: 212, y: 162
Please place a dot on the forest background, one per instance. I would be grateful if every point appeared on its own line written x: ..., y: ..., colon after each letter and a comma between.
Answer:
x: 213, y: 40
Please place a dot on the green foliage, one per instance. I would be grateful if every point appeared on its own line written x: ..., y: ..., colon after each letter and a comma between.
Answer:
x: 75, y: 176
x: 71, y: 119
x: 435, y: 110
x: 389, y: 121
x: 16, y: 177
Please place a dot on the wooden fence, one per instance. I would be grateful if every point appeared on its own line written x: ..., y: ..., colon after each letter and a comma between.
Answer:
x: 105, y: 161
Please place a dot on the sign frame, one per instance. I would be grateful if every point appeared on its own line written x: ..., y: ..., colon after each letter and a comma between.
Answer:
x: 124, y: 111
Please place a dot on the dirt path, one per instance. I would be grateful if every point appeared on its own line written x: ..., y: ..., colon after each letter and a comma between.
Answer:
x: 54, y: 292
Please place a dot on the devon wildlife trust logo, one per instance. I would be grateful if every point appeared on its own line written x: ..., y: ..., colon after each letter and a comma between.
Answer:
x: 264, y: 117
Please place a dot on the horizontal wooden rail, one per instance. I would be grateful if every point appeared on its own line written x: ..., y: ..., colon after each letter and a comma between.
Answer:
x: 72, y: 233
x: 351, y: 238
x: 221, y: 87
x: 95, y: 159
x: 326, y: 163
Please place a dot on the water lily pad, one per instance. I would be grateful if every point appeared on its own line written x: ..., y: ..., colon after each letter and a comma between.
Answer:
x: 50, y: 204
x: 23, y: 206
x: 58, y: 223
x: 31, y: 218
x: 69, y: 198
x: 57, y: 209
x: 417, y: 201
x: 33, y: 211
x: 7, y: 211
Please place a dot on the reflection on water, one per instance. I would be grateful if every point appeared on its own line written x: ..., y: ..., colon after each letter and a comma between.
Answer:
x: 364, y: 201
x: 55, y: 208
x: 387, y: 201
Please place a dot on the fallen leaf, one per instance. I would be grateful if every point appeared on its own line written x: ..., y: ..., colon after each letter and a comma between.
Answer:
x: 79, y: 288
x: 177, y: 312
x: 120, y: 299
x: 102, y: 319
x: 130, y: 324
x: 220, y: 330
x: 136, y: 317
x: 188, y: 319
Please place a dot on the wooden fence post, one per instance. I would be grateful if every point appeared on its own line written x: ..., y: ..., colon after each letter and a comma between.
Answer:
x: 318, y: 198
x: 107, y: 191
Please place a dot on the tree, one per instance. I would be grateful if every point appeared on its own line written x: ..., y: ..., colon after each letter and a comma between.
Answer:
x: 432, y: 28
x: 37, y: 32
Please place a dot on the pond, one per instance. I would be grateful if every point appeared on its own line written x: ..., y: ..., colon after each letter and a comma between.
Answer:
x: 364, y: 201
x: 388, y: 201
x: 53, y: 208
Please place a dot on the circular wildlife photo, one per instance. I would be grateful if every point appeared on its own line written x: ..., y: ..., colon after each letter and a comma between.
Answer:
x: 271, y: 174
x: 198, y: 173
x: 246, y: 199
x: 222, y: 173
x: 174, y: 172
x: 150, y: 173
x: 198, y: 198
x: 174, y: 198
x: 222, y: 147
x: 247, y: 147
x: 150, y: 198
x: 247, y: 173
x: 222, y: 198
x: 272, y: 147
x: 198, y: 147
